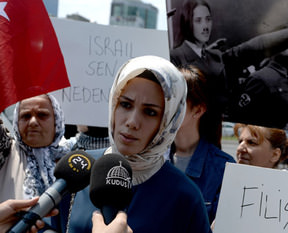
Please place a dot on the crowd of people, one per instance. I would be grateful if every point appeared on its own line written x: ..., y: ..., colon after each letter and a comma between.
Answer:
x: 164, y: 121
x: 158, y: 121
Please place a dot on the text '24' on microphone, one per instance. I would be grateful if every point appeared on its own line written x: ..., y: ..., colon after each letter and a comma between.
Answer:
x: 111, y: 185
x: 72, y: 174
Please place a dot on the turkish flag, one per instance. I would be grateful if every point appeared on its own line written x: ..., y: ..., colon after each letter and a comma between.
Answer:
x: 31, y: 61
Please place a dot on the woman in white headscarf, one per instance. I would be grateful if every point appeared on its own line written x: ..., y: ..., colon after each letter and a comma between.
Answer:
x: 38, y: 127
x: 146, y: 107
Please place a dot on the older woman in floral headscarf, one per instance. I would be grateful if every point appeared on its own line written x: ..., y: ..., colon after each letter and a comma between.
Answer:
x: 146, y: 107
x: 38, y: 126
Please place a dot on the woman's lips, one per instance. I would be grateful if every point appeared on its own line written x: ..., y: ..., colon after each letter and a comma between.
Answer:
x: 127, y: 138
x: 243, y: 159
x: 33, y: 132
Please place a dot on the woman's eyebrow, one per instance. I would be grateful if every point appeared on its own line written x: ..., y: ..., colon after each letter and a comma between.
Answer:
x: 125, y: 98
x: 153, y: 105
x: 145, y: 104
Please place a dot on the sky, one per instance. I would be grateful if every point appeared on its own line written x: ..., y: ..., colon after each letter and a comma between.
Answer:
x: 99, y: 10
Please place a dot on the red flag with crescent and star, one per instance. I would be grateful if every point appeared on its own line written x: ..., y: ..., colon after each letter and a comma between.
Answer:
x: 31, y: 61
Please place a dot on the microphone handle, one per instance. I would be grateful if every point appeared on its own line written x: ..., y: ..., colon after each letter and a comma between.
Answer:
x: 109, y: 213
x: 25, y: 223
x: 47, y: 201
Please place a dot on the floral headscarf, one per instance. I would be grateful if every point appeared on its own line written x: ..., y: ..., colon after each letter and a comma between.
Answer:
x: 41, y: 161
x: 5, y: 143
x: 150, y: 160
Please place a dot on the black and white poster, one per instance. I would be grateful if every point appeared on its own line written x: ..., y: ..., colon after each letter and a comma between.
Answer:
x: 241, y: 47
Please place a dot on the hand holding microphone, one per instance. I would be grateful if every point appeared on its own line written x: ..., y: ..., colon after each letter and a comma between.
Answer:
x: 9, y: 208
x: 72, y: 174
x: 111, y: 185
x: 118, y: 225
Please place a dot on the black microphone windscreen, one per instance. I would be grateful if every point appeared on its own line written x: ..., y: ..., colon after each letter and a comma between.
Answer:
x: 75, y: 169
x: 111, y: 182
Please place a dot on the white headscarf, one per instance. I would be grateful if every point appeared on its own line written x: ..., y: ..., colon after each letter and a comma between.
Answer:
x: 150, y: 160
x: 39, y: 173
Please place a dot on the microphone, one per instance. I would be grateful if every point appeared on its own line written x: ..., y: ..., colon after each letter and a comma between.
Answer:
x: 111, y: 185
x: 72, y: 174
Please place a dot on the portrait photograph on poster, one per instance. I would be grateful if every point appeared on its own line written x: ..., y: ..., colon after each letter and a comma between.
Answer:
x: 241, y: 47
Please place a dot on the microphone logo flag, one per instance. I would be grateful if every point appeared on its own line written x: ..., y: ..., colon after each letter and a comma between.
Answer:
x: 79, y: 162
x: 119, y: 176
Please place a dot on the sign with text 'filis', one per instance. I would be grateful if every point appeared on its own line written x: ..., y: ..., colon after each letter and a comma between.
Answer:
x: 93, y: 54
x: 252, y: 199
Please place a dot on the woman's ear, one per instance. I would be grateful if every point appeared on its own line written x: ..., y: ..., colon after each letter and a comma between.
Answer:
x: 276, y: 155
x: 199, y: 110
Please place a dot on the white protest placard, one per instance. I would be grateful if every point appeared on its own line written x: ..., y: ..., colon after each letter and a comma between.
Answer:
x: 93, y: 53
x: 252, y: 200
